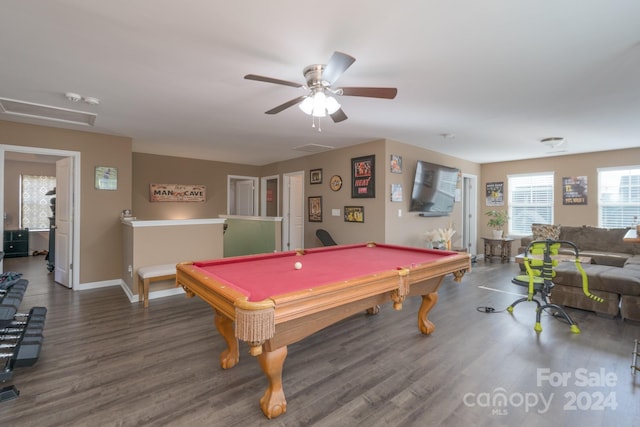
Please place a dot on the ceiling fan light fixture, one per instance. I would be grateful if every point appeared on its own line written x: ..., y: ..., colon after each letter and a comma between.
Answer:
x: 319, y: 104
x: 332, y: 105
x: 307, y: 105
x: 553, y: 142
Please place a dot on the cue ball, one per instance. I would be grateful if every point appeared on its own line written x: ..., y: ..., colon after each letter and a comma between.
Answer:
x: 298, y: 265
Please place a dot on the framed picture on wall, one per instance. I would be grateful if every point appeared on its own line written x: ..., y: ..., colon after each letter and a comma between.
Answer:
x: 315, y: 209
x: 315, y: 176
x: 396, y: 163
x: 106, y: 178
x: 354, y: 213
x: 363, y: 177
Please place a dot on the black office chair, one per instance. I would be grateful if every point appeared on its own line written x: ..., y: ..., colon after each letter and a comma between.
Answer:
x: 325, y: 237
x: 539, y: 265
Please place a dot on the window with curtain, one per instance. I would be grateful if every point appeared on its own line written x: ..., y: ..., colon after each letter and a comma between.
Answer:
x: 530, y: 201
x: 618, y: 196
x: 35, y: 204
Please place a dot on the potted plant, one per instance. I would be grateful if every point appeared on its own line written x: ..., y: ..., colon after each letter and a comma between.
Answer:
x: 497, y: 221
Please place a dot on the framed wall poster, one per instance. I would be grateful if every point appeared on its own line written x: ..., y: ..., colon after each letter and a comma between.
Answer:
x: 495, y: 194
x: 396, y: 164
x: 106, y: 178
x: 315, y: 209
x: 354, y: 213
x: 363, y: 177
x: 574, y: 190
x: 315, y: 176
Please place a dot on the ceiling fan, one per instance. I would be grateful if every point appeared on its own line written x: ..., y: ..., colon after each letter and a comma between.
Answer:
x: 319, y: 100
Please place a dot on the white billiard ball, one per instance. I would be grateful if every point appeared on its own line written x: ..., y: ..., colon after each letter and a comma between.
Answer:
x: 298, y: 265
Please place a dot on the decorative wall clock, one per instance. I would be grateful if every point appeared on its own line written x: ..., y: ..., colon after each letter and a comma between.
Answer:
x: 335, y: 183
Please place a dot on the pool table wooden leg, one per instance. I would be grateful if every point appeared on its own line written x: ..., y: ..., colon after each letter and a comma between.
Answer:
x: 273, y: 402
x: 231, y: 356
x: 424, y: 324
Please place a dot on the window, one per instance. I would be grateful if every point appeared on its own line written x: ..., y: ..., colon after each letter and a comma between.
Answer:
x: 35, y: 203
x: 618, y: 196
x: 530, y: 201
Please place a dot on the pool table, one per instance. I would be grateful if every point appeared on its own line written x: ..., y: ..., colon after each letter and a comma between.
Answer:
x: 272, y: 303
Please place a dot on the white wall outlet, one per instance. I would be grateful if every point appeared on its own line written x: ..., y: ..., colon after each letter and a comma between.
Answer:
x: 335, y: 212
x: 399, y: 213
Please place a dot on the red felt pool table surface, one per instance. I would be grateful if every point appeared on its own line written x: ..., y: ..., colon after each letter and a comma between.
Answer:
x: 262, y: 276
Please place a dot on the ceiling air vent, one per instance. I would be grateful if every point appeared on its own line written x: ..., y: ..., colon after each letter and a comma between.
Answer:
x: 313, y: 148
x: 45, y: 112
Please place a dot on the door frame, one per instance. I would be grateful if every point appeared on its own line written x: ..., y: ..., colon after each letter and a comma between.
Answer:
x: 75, y: 156
x: 470, y: 212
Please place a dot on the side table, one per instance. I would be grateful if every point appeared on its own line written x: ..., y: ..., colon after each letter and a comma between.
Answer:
x: 497, y: 248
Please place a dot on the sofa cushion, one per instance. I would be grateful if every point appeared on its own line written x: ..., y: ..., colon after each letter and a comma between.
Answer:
x: 569, y: 296
x: 545, y: 231
x: 630, y: 307
x: 633, y: 261
x: 624, y: 281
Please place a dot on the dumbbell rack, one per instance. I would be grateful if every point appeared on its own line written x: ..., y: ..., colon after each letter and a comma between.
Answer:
x: 21, y: 335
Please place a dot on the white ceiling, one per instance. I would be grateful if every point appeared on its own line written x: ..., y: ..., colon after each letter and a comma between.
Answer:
x: 498, y: 74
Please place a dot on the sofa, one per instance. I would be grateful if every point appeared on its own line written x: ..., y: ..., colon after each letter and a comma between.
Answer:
x: 613, y: 274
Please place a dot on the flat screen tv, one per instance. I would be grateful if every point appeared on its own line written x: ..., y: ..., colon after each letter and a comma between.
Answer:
x: 434, y: 189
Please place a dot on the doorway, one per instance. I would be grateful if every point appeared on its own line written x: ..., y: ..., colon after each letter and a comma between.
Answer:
x: 469, y: 216
x: 242, y: 197
x: 70, y: 251
x: 293, y: 211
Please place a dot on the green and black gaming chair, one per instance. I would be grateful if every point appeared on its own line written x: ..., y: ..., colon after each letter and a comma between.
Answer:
x: 539, y: 263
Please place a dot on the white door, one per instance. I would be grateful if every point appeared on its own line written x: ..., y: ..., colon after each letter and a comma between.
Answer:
x: 64, y: 220
x: 293, y: 206
x: 244, y: 198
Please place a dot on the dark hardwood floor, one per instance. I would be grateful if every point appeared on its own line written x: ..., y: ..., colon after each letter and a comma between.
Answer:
x: 106, y: 362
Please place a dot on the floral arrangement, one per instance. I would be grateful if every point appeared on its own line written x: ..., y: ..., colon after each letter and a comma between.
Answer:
x: 441, y: 235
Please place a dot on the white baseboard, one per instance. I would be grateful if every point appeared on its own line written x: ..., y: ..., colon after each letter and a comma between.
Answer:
x: 132, y: 298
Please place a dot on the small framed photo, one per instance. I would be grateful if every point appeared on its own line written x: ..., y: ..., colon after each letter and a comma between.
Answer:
x: 354, y: 213
x: 396, y: 192
x: 315, y: 209
x: 106, y: 178
x: 396, y: 164
x: 315, y: 176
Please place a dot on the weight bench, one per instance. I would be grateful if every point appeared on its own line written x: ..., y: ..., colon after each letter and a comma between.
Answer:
x: 153, y: 273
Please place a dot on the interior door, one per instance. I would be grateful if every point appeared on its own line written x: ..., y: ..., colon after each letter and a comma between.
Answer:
x: 244, y: 198
x: 296, y: 211
x: 64, y: 217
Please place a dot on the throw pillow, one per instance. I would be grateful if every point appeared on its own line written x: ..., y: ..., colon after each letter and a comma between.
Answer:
x: 545, y: 231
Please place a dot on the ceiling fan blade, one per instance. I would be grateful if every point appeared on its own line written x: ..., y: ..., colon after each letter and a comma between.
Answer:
x: 338, y: 64
x: 339, y: 116
x: 271, y: 80
x: 371, y: 92
x: 286, y: 105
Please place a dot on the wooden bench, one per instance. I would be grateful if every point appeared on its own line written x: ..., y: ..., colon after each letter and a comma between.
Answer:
x: 153, y: 273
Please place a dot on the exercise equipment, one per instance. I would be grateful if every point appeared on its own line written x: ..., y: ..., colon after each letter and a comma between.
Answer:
x: 21, y: 334
x: 539, y: 263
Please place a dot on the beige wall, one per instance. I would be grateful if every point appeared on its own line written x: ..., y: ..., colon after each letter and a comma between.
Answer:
x: 338, y: 162
x: 409, y: 229
x: 101, y: 237
x: 382, y: 223
x: 100, y: 234
x: 562, y: 166
x: 154, y: 169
